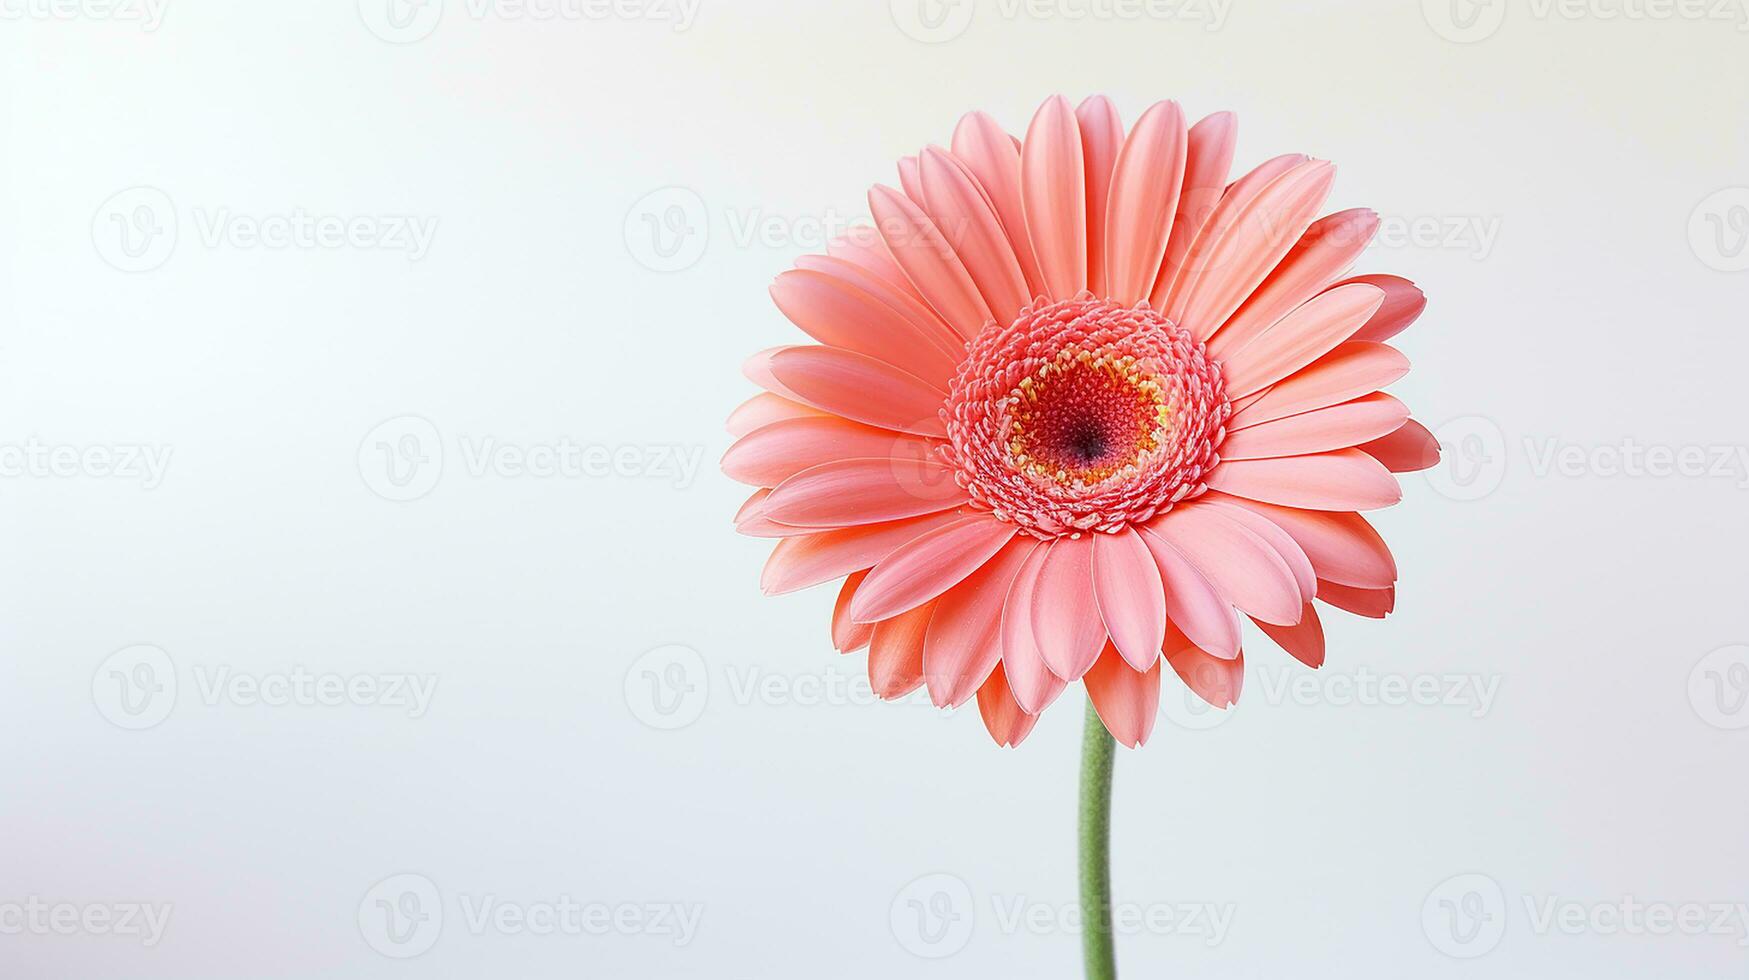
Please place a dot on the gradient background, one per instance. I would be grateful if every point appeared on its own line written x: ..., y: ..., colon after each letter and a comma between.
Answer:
x: 1581, y: 182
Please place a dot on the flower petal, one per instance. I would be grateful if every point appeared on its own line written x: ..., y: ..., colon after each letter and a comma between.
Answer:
x: 838, y: 314
x: 1101, y: 138
x: 1403, y: 304
x: 929, y: 565
x: 989, y: 152
x: 1145, y: 183
x: 860, y: 388
x: 1007, y: 723
x: 1216, y: 680
x: 1053, y: 196
x: 1032, y: 682
x: 1342, y: 547
x: 1320, y: 257
x: 1304, y: 642
x: 861, y: 246
x: 903, y: 299
x: 964, y: 216
x: 1353, y: 369
x: 847, y: 492
x: 773, y: 453
x: 1065, y: 616
x: 846, y: 634
x: 1130, y: 595
x: 1407, y: 450
x: 1371, y: 603
x: 1346, y: 479
x: 895, y: 654
x: 1247, y: 570
x: 1337, y: 427
x: 1208, y: 159
x: 1194, y: 606
x: 929, y: 262
x: 765, y: 408
x: 1127, y: 700
x: 1305, y: 577
x: 1300, y: 338
x: 1244, y: 242
x: 964, y: 640
x: 809, y: 559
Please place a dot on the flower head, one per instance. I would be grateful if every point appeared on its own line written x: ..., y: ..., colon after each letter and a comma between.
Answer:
x: 1076, y: 404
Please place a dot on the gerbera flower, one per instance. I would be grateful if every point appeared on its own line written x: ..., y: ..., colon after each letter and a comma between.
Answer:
x: 1076, y: 404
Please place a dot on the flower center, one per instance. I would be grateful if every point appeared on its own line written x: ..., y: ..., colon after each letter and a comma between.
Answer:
x: 1084, y: 415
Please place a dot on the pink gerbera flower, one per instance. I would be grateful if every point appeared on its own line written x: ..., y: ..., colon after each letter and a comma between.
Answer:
x: 1077, y: 403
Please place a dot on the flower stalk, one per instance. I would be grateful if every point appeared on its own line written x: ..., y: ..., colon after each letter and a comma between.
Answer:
x: 1097, y: 751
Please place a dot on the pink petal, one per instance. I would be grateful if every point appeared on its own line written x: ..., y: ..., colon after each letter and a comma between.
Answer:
x: 1193, y: 604
x: 911, y: 179
x: 1351, y: 370
x: 903, y: 300
x: 838, y: 314
x: 1300, y: 338
x: 862, y: 246
x: 929, y: 565
x: 1346, y: 479
x: 1371, y: 603
x: 1101, y: 138
x: 799, y: 562
x: 765, y: 408
x: 1305, y: 577
x: 1207, y: 161
x: 1006, y: 721
x: 1127, y: 700
x: 994, y: 159
x: 929, y: 262
x: 773, y: 453
x: 895, y: 655
x: 751, y: 520
x: 1244, y: 242
x: 860, y: 388
x: 1065, y: 616
x: 1320, y: 257
x: 1304, y: 642
x: 1403, y: 304
x: 1337, y: 427
x: 964, y: 640
x: 1130, y: 595
x: 848, y: 635
x: 1407, y: 450
x: 1054, y: 197
x: 848, y: 492
x: 1216, y: 680
x: 959, y: 209
x: 1342, y: 547
x: 1242, y: 565
x: 1032, y: 682
x: 1143, y: 200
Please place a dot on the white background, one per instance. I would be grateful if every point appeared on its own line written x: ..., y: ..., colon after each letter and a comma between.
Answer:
x: 1564, y: 167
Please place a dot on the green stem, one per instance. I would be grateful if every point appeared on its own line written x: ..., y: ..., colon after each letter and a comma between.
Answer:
x: 1097, y: 749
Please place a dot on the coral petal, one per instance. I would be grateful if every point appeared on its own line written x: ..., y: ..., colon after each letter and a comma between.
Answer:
x: 929, y: 261
x: 1347, y: 479
x: 1304, y: 642
x: 1193, y: 605
x: 1216, y: 680
x: 1403, y: 304
x: 1127, y: 700
x: 1006, y: 721
x: 1065, y: 616
x: 1101, y: 138
x: 1409, y: 449
x: 895, y: 654
x: 964, y: 640
x: 1242, y: 565
x: 1336, y: 427
x: 846, y: 492
x: 1054, y: 197
x: 929, y: 565
x: 1130, y: 596
x: 860, y: 388
x: 810, y: 559
x: 1145, y: 183
x: 1353, y: 369
x: 1301, y: 337
x: 848, y: 635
